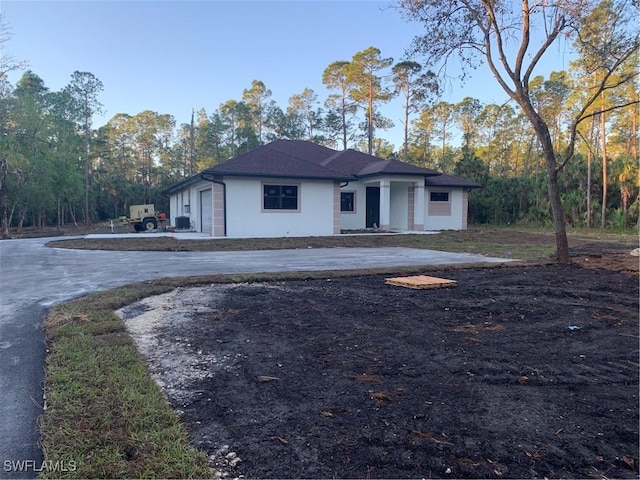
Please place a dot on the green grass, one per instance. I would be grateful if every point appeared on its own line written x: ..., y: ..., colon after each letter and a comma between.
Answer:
x: 105, y: 415
x: 490, y: 241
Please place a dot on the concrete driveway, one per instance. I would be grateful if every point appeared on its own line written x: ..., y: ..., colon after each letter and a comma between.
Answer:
x: 34, y: 277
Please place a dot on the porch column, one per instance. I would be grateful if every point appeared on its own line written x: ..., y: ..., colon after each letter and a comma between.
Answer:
x: 385, y: 204
x: 418, y: 206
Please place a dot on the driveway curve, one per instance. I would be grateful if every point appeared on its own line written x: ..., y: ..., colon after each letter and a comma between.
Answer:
x: 34, y: 277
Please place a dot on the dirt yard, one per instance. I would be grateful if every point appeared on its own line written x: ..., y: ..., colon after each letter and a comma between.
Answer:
x: 516, y: 372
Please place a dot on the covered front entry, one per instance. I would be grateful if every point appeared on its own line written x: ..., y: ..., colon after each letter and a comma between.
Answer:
x: 206, y: 211
x: 394, y: 204
x: 372, y: 207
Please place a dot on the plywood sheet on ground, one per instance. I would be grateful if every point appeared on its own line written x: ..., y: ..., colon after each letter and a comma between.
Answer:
x: 420, y: 282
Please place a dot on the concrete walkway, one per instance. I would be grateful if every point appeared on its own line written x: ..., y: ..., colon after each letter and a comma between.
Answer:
x: 34, y: 277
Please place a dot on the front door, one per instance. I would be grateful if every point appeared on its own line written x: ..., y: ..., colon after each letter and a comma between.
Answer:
x: 373, y: 207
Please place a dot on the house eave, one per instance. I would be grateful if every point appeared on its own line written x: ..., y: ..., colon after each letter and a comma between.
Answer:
x: 469, y: 186
x: 394, y: 174
x: 345, y: 178
x: 181, y: 185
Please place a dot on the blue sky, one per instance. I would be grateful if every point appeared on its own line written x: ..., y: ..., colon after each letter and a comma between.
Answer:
x: 172, y: 56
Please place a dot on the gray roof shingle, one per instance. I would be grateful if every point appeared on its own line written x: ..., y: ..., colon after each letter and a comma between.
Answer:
x: 277, y: 161
x: 444, y: 180
x: 306, y: 160
x: 363, y: 165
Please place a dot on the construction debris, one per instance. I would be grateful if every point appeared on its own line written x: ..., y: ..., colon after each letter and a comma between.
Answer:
x: 420, y: 282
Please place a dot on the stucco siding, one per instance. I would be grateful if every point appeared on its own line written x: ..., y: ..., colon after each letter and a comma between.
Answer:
x: 186, y: 203
x: 399, y: 215
x: 318, y: 208
x: 247, y: 218
x: 465, y: 209
x: 297, y: 188
x: 355, y: 220
x: 434, y: 220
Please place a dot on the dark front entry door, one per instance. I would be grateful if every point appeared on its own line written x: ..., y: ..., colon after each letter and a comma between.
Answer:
x: 373, y: 207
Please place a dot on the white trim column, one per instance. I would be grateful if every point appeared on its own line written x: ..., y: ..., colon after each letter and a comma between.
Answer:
x: 385, y: 204
x: 418, y: 206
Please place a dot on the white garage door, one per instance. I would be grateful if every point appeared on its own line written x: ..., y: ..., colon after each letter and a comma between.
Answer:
x: 206, y: 212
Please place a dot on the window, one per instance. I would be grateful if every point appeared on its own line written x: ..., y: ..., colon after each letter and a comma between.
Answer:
x: 440, y: 203
x: 347, y: 201
x: 280, y: 197
x: 439, y: 197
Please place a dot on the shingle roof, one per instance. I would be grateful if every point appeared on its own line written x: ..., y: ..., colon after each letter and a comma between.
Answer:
x: 311, y: 152
x: 363, y: 165
x: 278, y: 161
x: 182, y: 184
x: 306, y: 160
x: 449, y: 181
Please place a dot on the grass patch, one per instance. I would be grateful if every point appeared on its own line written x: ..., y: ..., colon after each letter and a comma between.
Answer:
x: 489, y: 241
x: 105, y: 415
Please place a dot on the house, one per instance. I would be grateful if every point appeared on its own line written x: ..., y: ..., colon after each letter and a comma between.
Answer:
x: 298, y: 188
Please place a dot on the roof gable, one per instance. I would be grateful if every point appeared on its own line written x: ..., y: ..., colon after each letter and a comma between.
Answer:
x: 311, y: 152
x: 280, y: 160
x: 361, y: 164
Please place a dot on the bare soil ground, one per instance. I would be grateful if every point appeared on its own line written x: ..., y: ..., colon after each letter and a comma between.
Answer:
x: 516, y: 372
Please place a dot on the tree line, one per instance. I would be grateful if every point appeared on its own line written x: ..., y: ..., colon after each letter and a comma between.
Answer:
x: 56, y: 169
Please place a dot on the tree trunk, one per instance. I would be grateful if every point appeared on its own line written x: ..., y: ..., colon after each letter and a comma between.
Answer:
x: 87, y: 171
x: 344, y: 122
x: 590, y: 157
x: 634, y: 130
x: 86, y: 185
x: 4, y: 209
x: 405, y: 147
x: 13, y: 209
x: 444, y: 144
x: 603, y: 137
x: 73, y: 215
x: 544, y: 137
x: 370, y: 131
x: 588, y: 220
x: 21, y: 215
x: 4, y: 196
x: 562, y: 244
x: 59, y: 214
x: 192, y: 146
x: 625, y: 195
